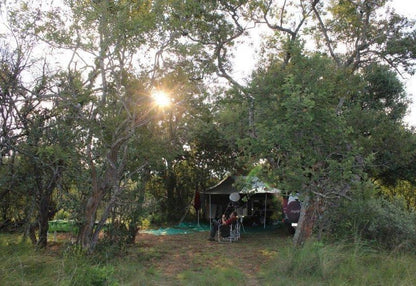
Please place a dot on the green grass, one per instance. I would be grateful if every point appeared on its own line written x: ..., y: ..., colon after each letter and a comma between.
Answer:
x: 340, y: 264
x: 257, y: 259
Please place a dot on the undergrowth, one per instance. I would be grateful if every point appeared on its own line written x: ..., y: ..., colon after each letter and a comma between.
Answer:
x: 315, y: 263
x: 339, y: 264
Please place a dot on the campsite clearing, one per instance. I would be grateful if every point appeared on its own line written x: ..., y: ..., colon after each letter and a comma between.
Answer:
x: 194, y: 253
x: 258, y: 258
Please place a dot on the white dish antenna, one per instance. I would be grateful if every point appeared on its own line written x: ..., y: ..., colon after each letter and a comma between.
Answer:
x: 234, y: 197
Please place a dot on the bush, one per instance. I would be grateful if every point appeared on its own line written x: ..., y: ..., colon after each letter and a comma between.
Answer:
x: 388, y: 224
x: 62, y: 215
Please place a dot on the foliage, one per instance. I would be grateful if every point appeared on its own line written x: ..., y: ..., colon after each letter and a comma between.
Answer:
x: 384, y: 223
x: 302, y: 138
x: 403, y: 190
x: 109, y: 117
x: 357, y: 27
x: 376, y: 113
x: 35, y: 146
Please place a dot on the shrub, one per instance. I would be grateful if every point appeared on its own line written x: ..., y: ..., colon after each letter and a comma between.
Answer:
x: 62, y: 215
x: 388, y: 224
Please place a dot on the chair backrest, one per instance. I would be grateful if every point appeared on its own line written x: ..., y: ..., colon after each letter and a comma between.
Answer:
x: 235, y: 229
x: 229, y: 233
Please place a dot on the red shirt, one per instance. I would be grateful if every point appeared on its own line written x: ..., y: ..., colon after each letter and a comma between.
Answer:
x: 230, y: 220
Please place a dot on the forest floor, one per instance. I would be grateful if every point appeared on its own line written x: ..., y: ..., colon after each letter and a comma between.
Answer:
x: 258, y: 258
x: 194, y: 252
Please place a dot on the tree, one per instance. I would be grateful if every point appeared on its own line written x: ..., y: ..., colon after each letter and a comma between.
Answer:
x: 377, y: 116
x: 184, y: 127
x: 356, y: 40
x: 302, y: 138
x: 297, y: 114
x: 12, y: 202
x: 34, y: 144
x: 105, y: 35
x: 367, y: 38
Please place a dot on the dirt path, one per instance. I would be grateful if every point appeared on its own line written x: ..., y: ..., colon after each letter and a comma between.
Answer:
x: 175, y: 254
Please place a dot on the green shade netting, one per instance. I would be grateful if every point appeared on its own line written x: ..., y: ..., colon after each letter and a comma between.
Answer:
x: 186, y: 228
x: 182, y: 228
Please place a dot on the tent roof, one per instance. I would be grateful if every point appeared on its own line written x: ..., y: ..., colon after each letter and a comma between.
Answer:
x: 253, y: 186
x: 224, y: 187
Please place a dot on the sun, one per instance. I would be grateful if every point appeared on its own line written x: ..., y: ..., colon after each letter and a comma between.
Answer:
x: 161, y: 98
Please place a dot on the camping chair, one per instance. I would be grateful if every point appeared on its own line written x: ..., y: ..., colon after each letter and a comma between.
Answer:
x: 229, y: 233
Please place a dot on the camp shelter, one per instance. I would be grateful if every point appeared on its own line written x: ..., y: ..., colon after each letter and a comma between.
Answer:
x: 252, y: 202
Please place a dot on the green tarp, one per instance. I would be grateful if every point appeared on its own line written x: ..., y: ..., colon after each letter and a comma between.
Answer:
x: 183, y: 228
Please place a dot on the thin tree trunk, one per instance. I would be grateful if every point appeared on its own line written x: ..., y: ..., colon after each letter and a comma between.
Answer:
x: 31, y: 232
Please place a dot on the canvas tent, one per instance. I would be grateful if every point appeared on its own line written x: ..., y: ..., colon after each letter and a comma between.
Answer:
x: 221, y: 195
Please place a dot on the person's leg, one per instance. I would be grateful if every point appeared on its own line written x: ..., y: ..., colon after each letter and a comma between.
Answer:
x: 224, y: 230
x: 214, y: 228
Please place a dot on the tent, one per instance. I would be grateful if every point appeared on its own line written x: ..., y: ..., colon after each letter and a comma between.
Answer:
x: 226, y: 192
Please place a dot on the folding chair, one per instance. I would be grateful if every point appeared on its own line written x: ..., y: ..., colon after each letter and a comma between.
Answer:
x: 229, y: 233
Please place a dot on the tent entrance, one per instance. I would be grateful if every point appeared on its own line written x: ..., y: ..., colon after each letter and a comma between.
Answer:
x: 257, y: 205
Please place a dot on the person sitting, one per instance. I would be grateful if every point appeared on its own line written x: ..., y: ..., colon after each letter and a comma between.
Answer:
x: 218, y: 224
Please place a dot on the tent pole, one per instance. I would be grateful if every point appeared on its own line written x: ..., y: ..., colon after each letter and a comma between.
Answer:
x: 265, y: 209
x: 210, y: 210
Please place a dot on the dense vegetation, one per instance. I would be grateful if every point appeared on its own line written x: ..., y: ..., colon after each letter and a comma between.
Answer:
x: 322, y: 114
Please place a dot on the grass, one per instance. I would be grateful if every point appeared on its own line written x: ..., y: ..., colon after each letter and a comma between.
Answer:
x: 257, y: 259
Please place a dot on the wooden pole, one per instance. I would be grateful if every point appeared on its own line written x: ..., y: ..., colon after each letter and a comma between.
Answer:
x: 210, y: 210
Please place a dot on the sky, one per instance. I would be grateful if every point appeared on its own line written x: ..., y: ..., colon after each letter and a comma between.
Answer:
x: 408, y: 9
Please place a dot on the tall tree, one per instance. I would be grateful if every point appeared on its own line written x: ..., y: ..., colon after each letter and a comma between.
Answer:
x: 12, y: 91
x: 33, y: 145
x: 355, y: 38
x: 302, y: 139
x: 105, y: 35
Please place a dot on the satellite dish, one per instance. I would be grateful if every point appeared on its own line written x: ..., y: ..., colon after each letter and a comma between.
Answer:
x: 234, y: 197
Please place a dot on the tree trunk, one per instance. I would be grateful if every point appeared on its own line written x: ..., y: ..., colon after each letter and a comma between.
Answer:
x: 251, y: 126
x: 32, y: 233
x: 88, y: 236
x: 306, y: 222
x: 170, y: 188
x: 43, y: 221
x: 87, y: 229
x: 133, y: 229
